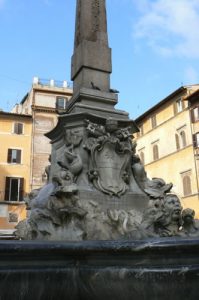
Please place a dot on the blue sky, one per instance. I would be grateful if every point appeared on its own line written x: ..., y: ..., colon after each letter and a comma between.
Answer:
x: 155, y: 47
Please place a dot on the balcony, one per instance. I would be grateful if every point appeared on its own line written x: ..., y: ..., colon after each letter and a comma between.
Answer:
x: 52, y: 83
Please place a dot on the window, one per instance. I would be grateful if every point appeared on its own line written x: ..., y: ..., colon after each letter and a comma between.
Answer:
x: 177, y: 141
x: 178, y: 106
x: 186, y: 181
x: 140, y: 133
x: 195, y: 114
x: 14, y: 156
x: 196, y: 140
x: 155, y: 152
x: 141, y: 130
x: 18, y: 128
x: 153, y: 121
x: 14, y: 189
x: 142, y: 157
x: 183, y: 139
x: 61, y: 102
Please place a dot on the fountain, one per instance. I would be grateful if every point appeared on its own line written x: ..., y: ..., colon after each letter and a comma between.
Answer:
x: 99, y: 228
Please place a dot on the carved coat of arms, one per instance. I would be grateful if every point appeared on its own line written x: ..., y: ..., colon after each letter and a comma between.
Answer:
x: 111, y: 151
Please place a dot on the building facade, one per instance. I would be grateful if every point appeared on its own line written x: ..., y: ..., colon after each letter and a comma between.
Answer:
x: 43, y: 102
x: 166, y: 146
x: 25, y: 150
x: 15, y: 162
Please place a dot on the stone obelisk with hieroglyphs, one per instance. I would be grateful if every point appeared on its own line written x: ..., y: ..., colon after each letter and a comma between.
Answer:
x: 91, y: 62
x: 94, y: 137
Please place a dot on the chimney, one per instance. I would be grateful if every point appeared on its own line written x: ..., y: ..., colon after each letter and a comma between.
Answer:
x: 52, y: 82
x: 35, y: 80
x: 65, y: 84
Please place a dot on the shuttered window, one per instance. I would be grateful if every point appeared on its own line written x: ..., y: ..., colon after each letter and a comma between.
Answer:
x: 153, y: 121
x: 177, y: 141
x: 183, y: 139
x: 155, y: 152
x: 186, y: 185
x: 14, y: 189
x: 18, y: 128
x: 178, y: 106
x: 142, y: 157
x: 14, y: 156
x: 196, y: 140
x: 61, y: 102
x: 195, y: 114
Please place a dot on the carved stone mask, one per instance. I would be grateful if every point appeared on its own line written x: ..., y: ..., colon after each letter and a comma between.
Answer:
x: 172, y: 206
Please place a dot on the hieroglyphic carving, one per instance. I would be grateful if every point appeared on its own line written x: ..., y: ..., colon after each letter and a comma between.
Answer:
x: 95, y: 15
x: 77, y: 25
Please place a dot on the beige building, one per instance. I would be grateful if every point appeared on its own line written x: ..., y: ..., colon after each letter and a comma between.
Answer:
x: 42, y: 103
x: 24, y: 150
x: 15, y: 162
x: 165, y: 144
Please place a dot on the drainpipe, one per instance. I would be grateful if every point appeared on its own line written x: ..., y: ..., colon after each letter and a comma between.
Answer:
x: 32, y: 140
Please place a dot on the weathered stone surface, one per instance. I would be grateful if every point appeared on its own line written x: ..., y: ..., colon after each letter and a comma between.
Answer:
x: 151, y: 269
x: 98, y: 190
x: 91, y: 62
x: 97, y: 187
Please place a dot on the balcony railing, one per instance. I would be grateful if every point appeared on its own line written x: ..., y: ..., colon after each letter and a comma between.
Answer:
x: 53, y: 83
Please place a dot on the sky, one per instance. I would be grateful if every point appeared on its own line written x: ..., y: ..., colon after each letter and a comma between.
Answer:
x: 155, y: 47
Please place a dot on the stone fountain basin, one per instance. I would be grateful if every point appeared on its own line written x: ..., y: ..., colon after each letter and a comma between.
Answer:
x: 120, y: 270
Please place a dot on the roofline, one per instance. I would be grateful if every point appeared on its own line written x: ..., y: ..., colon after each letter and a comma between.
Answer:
x: 193, y: 96
x: 159, y: 104
x: 24, y: 98
x: 15, y: 114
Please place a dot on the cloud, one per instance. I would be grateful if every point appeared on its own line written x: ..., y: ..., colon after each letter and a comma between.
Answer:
x: 170, y: 27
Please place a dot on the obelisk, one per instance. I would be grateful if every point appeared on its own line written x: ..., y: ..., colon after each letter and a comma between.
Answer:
x: 91, y: 61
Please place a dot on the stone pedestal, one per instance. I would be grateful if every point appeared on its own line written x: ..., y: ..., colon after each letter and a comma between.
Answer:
x: 142, y: 270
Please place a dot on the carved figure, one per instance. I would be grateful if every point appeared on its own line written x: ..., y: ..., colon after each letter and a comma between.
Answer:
x: 190, y: 227
x: 73, y: 137
x: 64, y: 183
x: 95, y: 130
x: 57, y: 215
x: 123, y: 222
x: 171, y: 223
x: 155, y: 188
x: 47, y: 169
x: 72, y: 162
x: 152, y: 219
